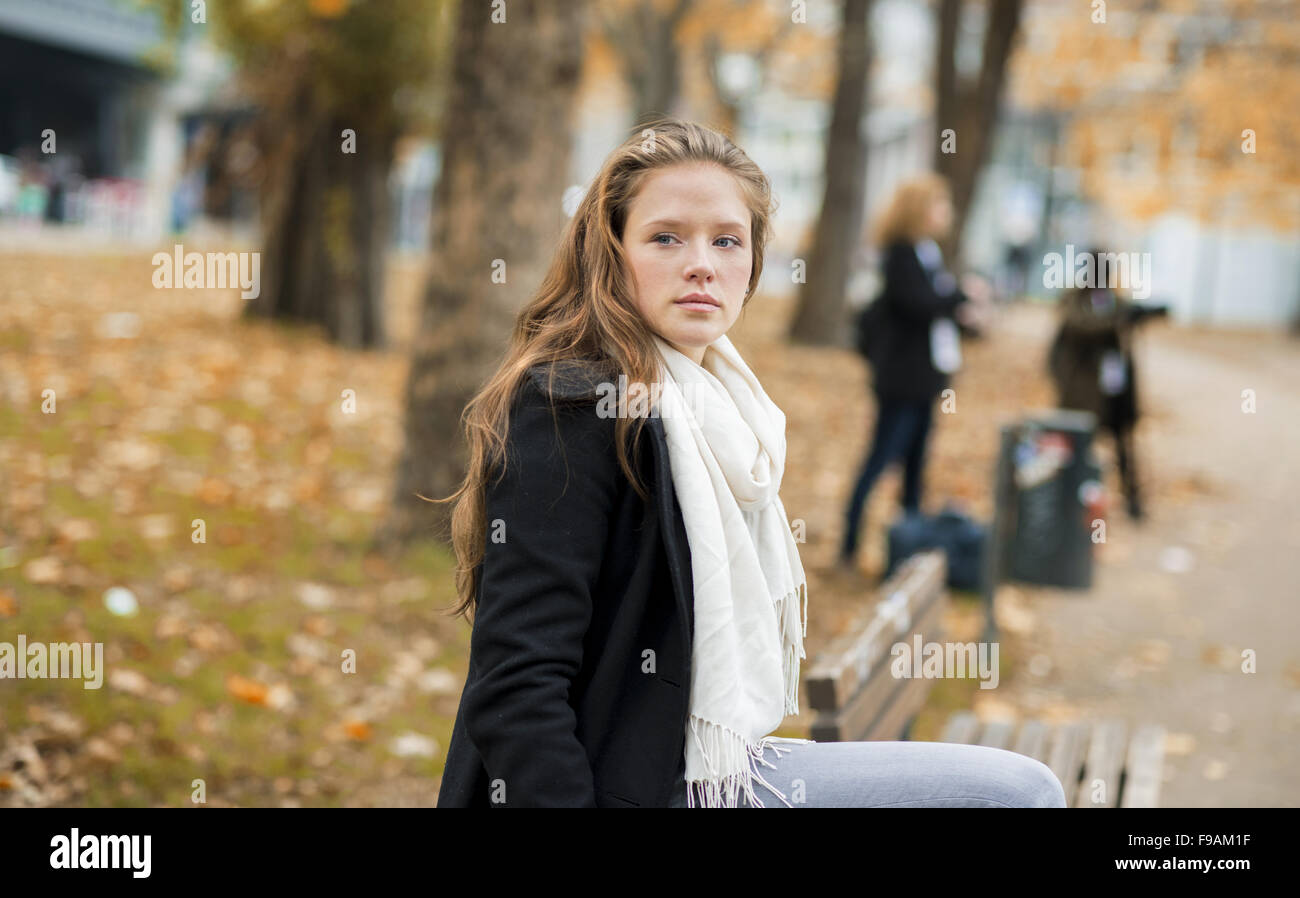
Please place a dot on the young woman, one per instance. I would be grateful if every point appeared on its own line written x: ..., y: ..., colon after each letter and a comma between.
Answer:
x: 917, y: 346
x: 636, y: 587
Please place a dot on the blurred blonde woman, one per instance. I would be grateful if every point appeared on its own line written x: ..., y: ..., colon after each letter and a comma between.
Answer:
x: 637, y: 639
x: 913, y: 343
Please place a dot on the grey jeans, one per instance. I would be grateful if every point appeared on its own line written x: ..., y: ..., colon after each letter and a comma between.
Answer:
x: 901, y: 775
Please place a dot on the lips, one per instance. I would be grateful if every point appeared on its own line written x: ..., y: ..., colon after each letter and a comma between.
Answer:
x: 698, y: 300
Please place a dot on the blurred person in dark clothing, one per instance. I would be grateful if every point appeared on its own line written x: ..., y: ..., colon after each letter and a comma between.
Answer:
x: 910, y: 335
x: 1091, y: 363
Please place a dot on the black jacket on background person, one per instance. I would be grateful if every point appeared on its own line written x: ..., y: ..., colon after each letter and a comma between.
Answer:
x: 1095, y: 322
x: 579, y: 668
x: 910, y: 302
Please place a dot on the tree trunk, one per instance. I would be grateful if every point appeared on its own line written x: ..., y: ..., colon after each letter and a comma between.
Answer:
x: 726, y: 116
x: 971, y: 110
x: 946, y: 110
x: 819, y: 319
x: 644, y: 37
x: 505, y: 162
x: 326, y: 225
x: 726, y: 110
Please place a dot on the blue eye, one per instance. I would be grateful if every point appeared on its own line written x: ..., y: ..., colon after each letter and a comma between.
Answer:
x: 734, y: 241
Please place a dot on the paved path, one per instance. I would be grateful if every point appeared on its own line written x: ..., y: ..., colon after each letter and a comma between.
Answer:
x: 1214, y: 571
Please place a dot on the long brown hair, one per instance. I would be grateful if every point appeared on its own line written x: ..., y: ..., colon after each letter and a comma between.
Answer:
x: 585, y: 309
x: 907, y: 214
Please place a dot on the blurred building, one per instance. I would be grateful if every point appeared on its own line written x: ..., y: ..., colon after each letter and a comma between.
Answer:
x: 91, y: 134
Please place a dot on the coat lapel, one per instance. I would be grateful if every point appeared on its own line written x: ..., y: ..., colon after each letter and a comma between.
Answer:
x: 678, y: 549
x: 579, y: 379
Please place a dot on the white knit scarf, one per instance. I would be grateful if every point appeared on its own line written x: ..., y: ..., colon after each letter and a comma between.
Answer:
x: 726, y: 448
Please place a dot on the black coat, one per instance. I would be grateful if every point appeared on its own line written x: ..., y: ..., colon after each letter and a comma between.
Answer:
x: 1087, y: 332
x: 564, y: 705
x: 903, y: 368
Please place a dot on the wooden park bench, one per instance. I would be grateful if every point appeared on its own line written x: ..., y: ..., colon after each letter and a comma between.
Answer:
x: 850, y: 686
x: 858, y: 699
x: 1092, y: 759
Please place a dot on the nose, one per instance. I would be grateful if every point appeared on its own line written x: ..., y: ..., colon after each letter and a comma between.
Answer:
x: 699, y: 265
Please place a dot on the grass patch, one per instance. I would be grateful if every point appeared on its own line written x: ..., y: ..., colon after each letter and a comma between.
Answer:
x: 343, y: 457
x: 237, y: 409
x: 951, y: 694
x: 189, y: 442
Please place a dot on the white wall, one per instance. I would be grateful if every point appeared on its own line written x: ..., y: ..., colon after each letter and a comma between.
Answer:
x: 1225, y: 275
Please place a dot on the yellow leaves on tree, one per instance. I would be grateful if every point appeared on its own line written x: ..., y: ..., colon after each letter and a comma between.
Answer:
x: 1179, y: 106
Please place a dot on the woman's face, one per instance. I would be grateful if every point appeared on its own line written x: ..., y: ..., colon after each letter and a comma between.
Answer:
x: 940, y: 219
x: 687, y: 233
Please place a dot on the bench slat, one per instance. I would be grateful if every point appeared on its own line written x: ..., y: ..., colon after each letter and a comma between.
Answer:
x: 997, y: 734
x: 1103, y: 765
x: 883, y: 706
x: 840, y: 671
x: 961, y: 728
x: 1066, y: 757
x: 1143, y: 769
x: 851, y: 723
x: 910, y: 696
x: 1078, y: 754
x: 1032, y: 740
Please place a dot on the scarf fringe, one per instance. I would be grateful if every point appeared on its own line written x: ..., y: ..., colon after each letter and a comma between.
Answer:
x: 724, y: 747
x: 792, y: 617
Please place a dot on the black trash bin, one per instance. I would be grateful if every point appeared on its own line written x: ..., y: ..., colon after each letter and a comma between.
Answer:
x: 1048, y: 489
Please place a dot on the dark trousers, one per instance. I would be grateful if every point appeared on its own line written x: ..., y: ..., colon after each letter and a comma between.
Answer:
x: 1118, y: 419
x: 902, y: 429
x: 1126, y: 457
